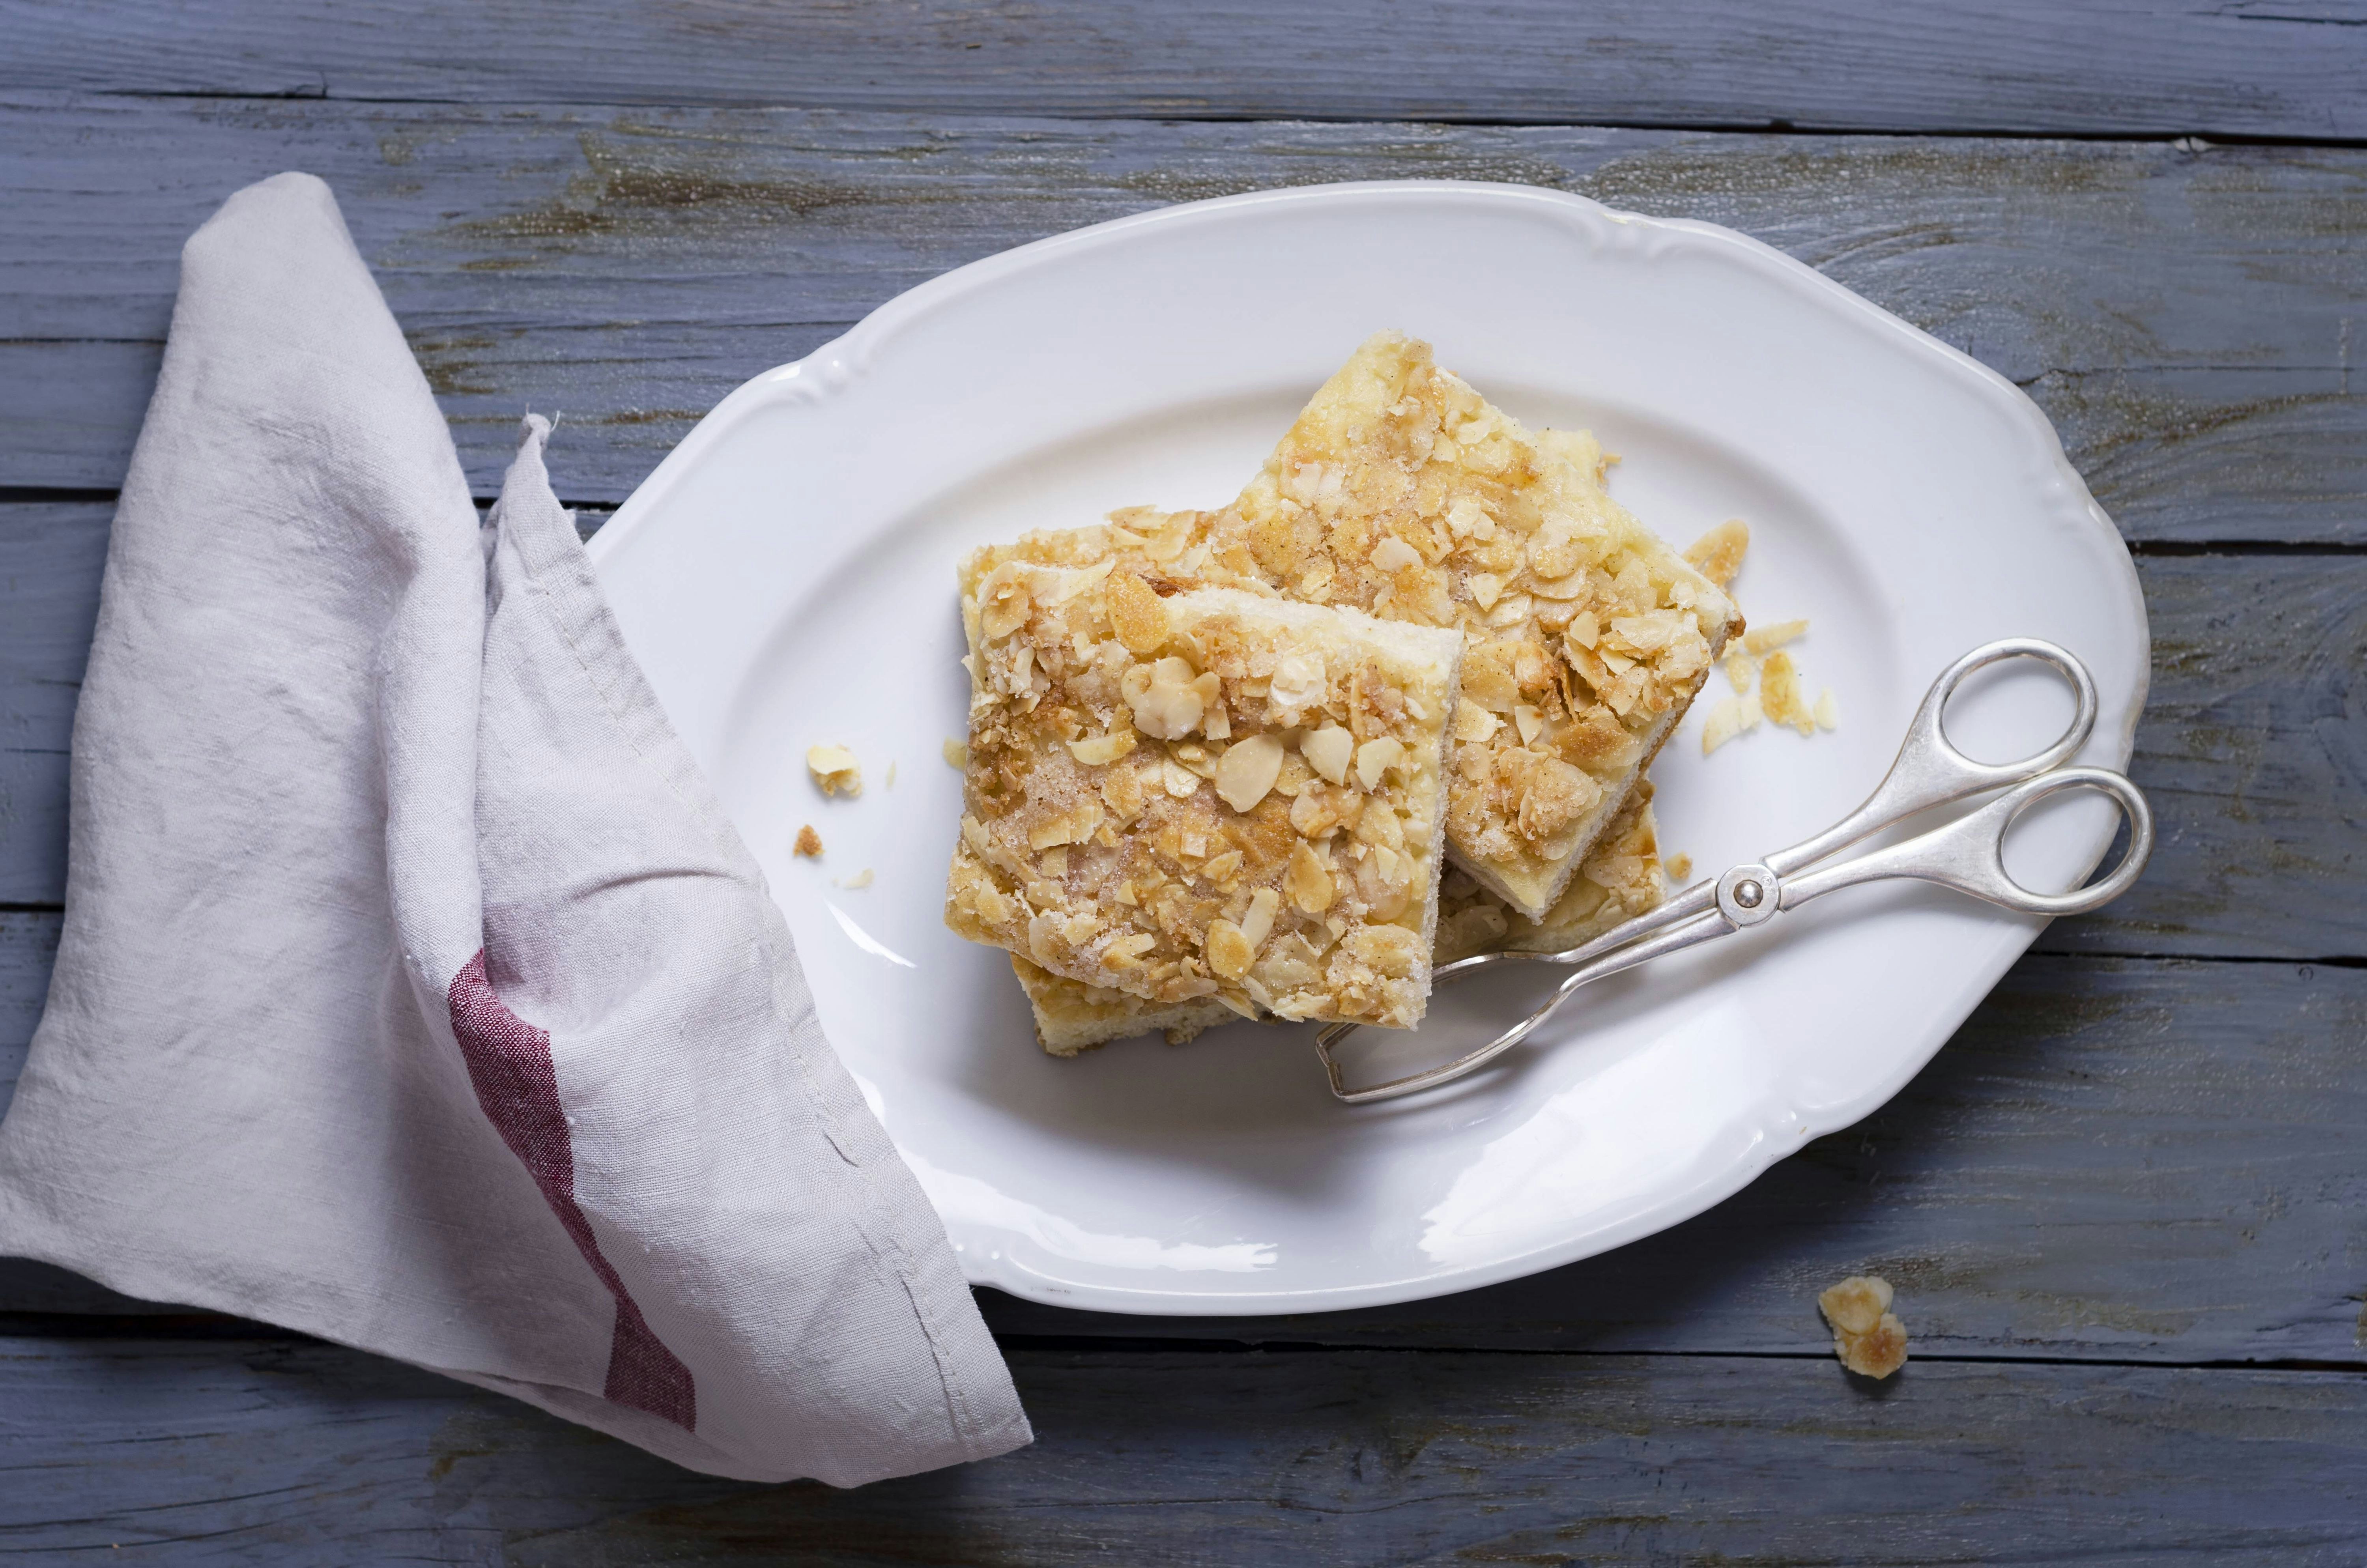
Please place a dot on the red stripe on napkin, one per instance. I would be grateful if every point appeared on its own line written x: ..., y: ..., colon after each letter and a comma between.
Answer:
x: 509, y: 1062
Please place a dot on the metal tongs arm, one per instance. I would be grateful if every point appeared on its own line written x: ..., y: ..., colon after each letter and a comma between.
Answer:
x: 1966, y: 854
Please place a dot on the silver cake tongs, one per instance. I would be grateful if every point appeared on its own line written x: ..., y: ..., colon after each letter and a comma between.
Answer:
x: 1966, y: 854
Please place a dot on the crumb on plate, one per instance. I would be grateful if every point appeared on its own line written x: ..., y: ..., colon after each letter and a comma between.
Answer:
x: 834, y: 768
x: 809, y: 842
x: 1766, y: 680
x: 1717, y: 555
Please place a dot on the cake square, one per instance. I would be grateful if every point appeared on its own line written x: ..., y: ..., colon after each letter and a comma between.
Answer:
x: 1401, y: 492
x: 1210, y: 795
x: 1071, y: 1016
x: 1619, y: 879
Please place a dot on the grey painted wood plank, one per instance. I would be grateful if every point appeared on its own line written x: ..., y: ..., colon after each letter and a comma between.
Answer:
x: 2117, y: 1160
x: 2252, y: 748
x: 2253, y: 753
x: 2187, y: 317
x: 51, y: 559
x: 293, y: 1453
x: 2254, y: 67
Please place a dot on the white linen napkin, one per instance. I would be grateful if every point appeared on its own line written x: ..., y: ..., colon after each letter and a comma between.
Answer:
x: 415, y: 991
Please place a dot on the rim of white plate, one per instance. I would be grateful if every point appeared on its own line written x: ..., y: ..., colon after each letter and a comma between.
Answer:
x: 837, y: 364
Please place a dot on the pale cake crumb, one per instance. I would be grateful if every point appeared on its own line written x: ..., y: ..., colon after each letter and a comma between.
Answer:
x: 809, y: 843
x: 955, y: 752
x: 1867, y: 1335
x: 834, y: 768
x: 1766, y: 640
x: 1681, y: 868
x: 1210, y: 795
x: 860, y: 880
x: 1780, y: 697
x: 1768, y: 685
x: 1722, y: 723
x: 1717, y: 555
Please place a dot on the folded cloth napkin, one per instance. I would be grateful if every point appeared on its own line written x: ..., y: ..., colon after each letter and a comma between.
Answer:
x: 415, y: 991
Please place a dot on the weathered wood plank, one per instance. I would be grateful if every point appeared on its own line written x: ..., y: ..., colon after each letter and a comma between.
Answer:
x: 2251, y: 747
x: 2188, y: 317
x: 2120, y: 1159
x: 2144, y: 67
x: 2253, y: 752
x: 51, y: 559
x: 293, y: 1453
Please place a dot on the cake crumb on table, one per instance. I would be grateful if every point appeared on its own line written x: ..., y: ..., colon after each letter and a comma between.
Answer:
x: 834, y: 768
x: 1867, y: 1335
x: 809, y: 843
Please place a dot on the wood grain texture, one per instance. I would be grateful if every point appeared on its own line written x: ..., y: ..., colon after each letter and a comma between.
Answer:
x: 51, y: 556
x: 2283, y: 68
x: 2253, y: 749
x: 295, y: 1453
x: 2117, y: 1160
x: 2187, y: 318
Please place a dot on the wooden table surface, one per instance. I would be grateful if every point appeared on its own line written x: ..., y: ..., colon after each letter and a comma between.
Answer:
x: 2125, y: 1208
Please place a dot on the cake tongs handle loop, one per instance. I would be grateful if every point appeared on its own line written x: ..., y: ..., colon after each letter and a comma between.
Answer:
x: 1966, y: 854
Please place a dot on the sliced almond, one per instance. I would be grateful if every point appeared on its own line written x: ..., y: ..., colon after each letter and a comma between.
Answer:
x: 1246, y: 772
x: 1760, y: 639
x: 1136, y: 617
x: 1717, y: 555
x: 1377, y: 756
x: 1099, y: 750
x: 834, y: 768
x: 1723, y: 724
x: 1258, y: 924
x: 1472, y: 722
x: 1328, y: 751
x: 1309, y: 880
x: 1228, y: 950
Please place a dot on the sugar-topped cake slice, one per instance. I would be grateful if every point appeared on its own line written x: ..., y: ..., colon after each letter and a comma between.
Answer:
x: 1619, y: 879
x: 1071, y: 1016
x: 1207, y: 796
x: 1401, y: 491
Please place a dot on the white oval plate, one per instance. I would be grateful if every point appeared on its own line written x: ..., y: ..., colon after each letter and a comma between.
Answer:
x: 786, y: 576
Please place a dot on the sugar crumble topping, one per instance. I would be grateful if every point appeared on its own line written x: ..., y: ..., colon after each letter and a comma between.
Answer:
x: 1207, y: 794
